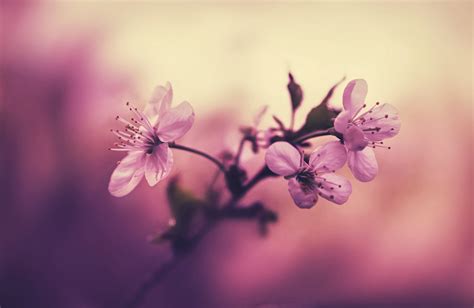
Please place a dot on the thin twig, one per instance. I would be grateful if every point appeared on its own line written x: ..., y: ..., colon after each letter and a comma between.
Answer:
x: 165, y: 268
x: 239, y: 151
x: 260, y: 175
x: 319, y: 133
x: 228, y: 211
x: 198, y: 152
x: 155, y: 278
x: 214, y: 179
x: 292, y: 121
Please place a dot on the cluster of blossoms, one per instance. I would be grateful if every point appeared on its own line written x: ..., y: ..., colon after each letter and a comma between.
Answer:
x: 149, y: 135
x: 361, y: 132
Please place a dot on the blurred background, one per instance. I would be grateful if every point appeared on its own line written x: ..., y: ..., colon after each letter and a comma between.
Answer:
x: 68, y: 67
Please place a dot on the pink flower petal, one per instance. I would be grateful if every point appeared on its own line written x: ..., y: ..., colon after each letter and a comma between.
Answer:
x: 158, y: 164
x: 127, y: 174
x: 363, y: 164
x: 354, y: 95
x: 159, y: 103
x: 336, y: 188
x: 304, y: 200
x: 341, y: 123
x: 354, y: 139
x: 328, y: 157
x: 282, y: 158
x: 383, y: 123
x: 175, y: 122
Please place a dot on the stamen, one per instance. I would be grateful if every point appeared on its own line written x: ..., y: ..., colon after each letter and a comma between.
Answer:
x: 332, y: 184
x: 138, y: 133
x: 372, y: 129
x: 379, y: 144
x: 323, y: 169
x: 355, y: 114
x: 142, y: 118
x: 119, y: 149
x: 306, y: 180
x: 361, y: 117
x: 326, y: 196
x: 301, y: 157
x: 119, y: 133
x: 127, y: 123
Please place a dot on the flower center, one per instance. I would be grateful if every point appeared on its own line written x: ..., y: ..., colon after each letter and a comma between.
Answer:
x: 137, y: 135
x: 151, y: 144
x: 306, y: 179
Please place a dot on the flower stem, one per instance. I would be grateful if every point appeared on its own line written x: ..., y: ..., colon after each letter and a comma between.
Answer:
x: 292, y: 121
x: 228, y: 211
x: 319, y: 133
x: 263, y: 173
x: 197, y: 152
x: 239, y: 151
x: 151, y: 282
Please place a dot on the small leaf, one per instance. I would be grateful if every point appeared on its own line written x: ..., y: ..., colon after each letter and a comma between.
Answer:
x: 296, y: 93
x: 318, y: 118
x: 184, y: 206
x: 279, y: 122
x: 321, y: 116
x: 331, y: 91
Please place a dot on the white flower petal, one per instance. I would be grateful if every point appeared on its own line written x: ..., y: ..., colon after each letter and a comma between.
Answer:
x: 383, y: 122
x: 127, y: 174
x: 335, y: 188
x: 354, y: 95
x: 341, y: 123
x: 159, y: 103
x: 175, y: 122
x: 158, y: 164
x: 363, y: 164
x: 354, y: 139
x: 282, y: 158
x: 328, y: 157
x: 302, y: 199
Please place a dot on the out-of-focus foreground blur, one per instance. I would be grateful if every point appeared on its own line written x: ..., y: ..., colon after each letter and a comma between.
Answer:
x: 67, y: 69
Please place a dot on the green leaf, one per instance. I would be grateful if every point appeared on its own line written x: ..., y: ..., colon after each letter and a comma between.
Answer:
x: 184, y: 206
x: 322, y: 116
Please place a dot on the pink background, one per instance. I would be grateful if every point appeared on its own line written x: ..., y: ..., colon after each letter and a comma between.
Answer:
x: 67, y: 69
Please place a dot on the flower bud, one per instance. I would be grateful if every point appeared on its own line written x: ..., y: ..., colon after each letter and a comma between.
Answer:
x: 296, y: 93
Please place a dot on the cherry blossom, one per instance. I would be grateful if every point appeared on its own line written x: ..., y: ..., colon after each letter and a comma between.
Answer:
x: 307, y: 181
x: 145, y: 137
x: 363, y: 131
